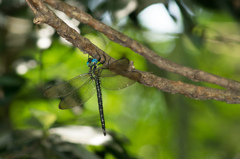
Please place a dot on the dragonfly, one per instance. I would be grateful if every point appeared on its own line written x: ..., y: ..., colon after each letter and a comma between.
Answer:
x: 81, y: 88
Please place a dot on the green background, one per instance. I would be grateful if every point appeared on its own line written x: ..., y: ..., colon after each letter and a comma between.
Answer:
x: 144, y: 122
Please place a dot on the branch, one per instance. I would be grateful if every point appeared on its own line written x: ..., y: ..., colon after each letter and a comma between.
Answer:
x: 193, y: 74
x: 189, y: 90
x: 45, y: 15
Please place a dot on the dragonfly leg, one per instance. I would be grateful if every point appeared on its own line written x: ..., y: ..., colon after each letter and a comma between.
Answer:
x: 101, y: 58
x: 108, y: 62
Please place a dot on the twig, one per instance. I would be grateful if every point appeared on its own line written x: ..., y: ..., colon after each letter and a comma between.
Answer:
x: 189, y: 90
x: 192, y: 74
x: 45, y: 15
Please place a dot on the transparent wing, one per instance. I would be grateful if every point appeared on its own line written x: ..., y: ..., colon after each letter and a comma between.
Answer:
x: 79, y: 96
x: 106, y: 73
x: 111, y: 81
x: 119, y: 66
x: 66, y: 88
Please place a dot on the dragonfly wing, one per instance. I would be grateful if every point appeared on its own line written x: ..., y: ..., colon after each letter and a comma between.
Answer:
x: 106, y: 73
x: 119, y: 65
x: 110, y: 78
x: 66, y: 88
x: 116, y: 82
x: 79, y: 96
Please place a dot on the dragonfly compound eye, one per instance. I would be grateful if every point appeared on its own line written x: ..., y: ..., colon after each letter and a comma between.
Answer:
x: 92, y: 62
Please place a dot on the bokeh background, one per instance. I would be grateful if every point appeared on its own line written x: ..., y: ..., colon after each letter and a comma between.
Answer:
x: 142, y: 122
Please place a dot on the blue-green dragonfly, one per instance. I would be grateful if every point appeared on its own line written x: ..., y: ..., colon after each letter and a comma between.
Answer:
x: 80, y: 89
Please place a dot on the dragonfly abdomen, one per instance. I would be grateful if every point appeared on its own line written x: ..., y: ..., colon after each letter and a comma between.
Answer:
x: 100, y: 105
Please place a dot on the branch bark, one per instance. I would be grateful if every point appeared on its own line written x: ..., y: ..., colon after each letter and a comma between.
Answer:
x: 45, y: 15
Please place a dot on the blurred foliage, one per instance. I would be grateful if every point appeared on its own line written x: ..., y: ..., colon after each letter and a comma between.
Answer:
x: 141, y: 122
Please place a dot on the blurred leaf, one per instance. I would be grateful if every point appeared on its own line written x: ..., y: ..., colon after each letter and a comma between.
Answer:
x: 45, y: 118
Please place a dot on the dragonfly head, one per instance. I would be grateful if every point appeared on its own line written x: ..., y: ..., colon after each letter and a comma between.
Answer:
x: 91, y: 62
